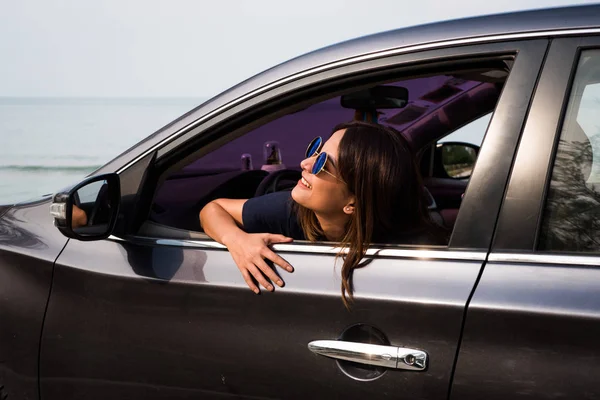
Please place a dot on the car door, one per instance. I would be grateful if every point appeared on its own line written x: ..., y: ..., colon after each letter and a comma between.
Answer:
x: 533, y: 324
x: 164, y: 317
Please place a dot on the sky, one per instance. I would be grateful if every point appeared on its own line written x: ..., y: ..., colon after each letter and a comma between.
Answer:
x: 189, y: 48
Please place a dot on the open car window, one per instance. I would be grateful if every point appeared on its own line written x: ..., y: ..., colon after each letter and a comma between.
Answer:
x: 437, y: 106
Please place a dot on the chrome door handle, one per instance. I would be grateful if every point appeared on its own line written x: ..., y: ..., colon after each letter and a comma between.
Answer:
x: 373, y: 354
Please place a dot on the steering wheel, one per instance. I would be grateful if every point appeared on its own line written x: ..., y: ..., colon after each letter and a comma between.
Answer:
x: 276, y: 181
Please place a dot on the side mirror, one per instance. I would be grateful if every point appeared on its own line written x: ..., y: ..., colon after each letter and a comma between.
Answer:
x: 88, y: 210
x: 376, y: 98
x: 458, y: 158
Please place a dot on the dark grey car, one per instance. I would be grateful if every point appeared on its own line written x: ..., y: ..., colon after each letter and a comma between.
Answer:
x: 140, y: 303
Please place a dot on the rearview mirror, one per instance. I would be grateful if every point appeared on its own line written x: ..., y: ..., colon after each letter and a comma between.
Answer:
x: 88, y: 210
x: 376, y: 98
x: 458, y: 159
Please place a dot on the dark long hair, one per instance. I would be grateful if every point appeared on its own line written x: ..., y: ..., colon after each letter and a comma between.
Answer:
x: 380, y: 170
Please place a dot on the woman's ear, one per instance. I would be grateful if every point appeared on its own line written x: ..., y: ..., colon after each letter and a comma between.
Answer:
x: 349, y: 207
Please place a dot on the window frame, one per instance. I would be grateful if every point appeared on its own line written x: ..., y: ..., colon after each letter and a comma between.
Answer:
x: 518, y: 89
x: 520, y: 220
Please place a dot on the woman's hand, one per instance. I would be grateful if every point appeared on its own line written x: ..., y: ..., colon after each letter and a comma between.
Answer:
x: 249, y: 251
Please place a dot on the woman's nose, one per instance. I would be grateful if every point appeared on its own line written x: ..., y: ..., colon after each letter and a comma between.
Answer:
x: 307, y: 163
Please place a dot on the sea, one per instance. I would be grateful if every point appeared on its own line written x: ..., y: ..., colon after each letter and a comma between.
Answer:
x: 47, y: 144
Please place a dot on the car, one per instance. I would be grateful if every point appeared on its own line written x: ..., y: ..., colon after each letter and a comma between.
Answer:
x: 502, y: 113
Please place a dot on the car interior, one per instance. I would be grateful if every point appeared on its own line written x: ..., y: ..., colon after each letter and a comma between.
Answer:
x: 267, y: 158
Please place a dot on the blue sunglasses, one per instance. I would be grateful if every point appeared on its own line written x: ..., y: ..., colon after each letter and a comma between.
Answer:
x: 313, y: 149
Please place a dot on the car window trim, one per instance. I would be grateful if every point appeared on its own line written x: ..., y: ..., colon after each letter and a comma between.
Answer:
x: 592, y: 260
x: 324, y: 248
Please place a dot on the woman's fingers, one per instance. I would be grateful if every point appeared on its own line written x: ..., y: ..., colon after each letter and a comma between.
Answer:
x: 277, y: 259
x: 258, y: 275
x: 250, y: 254
x: 271, y: 255
x: 268, y: 271
x: 249, y: 280
x: 272, y: 239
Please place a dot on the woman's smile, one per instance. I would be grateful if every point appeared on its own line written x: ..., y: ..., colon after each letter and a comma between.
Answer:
x: 304, y: 183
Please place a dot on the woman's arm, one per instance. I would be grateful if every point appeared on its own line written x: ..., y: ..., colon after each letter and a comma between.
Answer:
x: 221, y: 219
x: 78, y: 217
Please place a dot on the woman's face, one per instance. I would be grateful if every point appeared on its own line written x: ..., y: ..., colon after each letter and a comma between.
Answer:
x: 323, y: 193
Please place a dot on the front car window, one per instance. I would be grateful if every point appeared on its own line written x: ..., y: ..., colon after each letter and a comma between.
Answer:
x: 571, y: 221
x: 437, y: 106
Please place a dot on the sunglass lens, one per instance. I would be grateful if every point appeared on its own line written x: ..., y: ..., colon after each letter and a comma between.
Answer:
x: 313, y: 147
x: 319, y: 163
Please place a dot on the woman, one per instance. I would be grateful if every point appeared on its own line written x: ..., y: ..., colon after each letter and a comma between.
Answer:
x: 361, y: 186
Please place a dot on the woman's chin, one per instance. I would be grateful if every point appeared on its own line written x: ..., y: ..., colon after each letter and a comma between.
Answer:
x: 299, y: 194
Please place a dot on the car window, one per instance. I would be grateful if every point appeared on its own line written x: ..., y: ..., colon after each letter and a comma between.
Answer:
x: 472, y: 132
x: 437, y: 106
x: 571, y: 219
x: 454, y: 156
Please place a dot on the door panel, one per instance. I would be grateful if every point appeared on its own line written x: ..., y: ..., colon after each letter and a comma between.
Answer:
x: 167, y: 321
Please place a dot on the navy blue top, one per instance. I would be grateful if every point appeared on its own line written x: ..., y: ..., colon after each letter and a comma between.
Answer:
x: 272, y: 213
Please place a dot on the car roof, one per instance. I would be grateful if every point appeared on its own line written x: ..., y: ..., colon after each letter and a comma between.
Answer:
x: 534, y: 22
